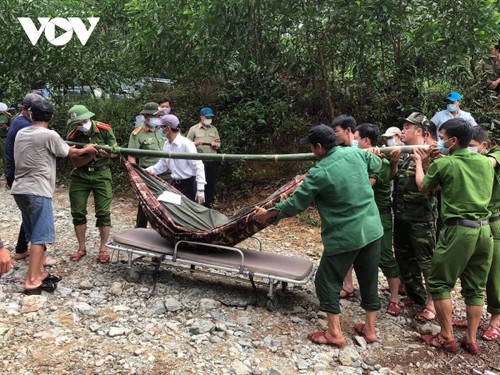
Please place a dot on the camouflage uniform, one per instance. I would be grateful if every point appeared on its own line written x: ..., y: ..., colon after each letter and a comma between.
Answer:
x: 489, y: 71
x: 414, y: 229
x: 4, y: 127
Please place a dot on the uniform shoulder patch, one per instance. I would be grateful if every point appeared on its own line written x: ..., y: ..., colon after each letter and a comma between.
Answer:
x: 136, y: 131
x: 72, y: 135
x: 103, y: 126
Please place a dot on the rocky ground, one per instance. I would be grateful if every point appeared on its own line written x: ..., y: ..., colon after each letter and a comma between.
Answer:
x: 98, y: 322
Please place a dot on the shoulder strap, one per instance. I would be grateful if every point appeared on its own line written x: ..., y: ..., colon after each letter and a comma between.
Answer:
x: 103, y: 126
x: 136, y: 131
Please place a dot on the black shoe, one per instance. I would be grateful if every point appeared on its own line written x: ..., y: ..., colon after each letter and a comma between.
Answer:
x: 54, y: 279
x: 45, y: 286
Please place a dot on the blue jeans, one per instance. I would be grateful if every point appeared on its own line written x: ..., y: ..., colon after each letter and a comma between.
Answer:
x: 38, y: 218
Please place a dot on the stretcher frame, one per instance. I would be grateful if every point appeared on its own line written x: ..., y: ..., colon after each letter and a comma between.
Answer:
x: 178, y: 259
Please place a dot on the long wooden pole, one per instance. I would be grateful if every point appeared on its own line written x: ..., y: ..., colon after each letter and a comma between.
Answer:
x: 229, y: 157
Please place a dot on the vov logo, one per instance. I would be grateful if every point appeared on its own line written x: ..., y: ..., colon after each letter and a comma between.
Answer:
x: 49, y: 26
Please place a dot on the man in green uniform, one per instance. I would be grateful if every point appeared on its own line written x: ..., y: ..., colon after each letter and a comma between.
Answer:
x: 146, y: 137
x: 465, y: 246
x: 350, y: 228
x: 479, y: 143
x: 366, y: 136
x: 91, y: 174
x: 4, y: 128
x: 206, y: 138
x: 415, y: 216
x: 489, y: 69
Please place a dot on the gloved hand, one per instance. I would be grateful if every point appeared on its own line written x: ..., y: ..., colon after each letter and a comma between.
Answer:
x: 200, y: 196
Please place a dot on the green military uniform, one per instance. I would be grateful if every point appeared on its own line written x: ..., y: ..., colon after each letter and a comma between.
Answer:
x: 493, y: 283
x: 350, y: 223
x: 382, y: 193
x: 94, y: 177
x: 145, y: 138
x: 415, y: 216
x: 4, y: 128
x: 489, y: 71
x: 465, y: 245
x: 207, y: 134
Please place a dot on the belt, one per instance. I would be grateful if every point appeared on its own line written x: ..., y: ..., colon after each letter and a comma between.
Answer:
x: 178, y: 181
x: 95, y: 169
x: 467, y: 223
x: 494, y: 218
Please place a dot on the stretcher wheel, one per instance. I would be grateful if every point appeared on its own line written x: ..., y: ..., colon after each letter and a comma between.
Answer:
x: 132, y: 276
x: 272, y: 303
x: 284, y: 286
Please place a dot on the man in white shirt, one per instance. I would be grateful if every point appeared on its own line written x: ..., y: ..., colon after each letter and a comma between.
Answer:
x: 453, y: 100
x: 188, y: 175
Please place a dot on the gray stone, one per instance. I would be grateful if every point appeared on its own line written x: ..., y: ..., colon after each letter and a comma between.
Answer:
x: 85, y: 284
x: 239, y: 368
x: 117, y: 331
x: 201, y: 326
x: 207, y: 304
x: 360, y: 341
x: 157, y: 309
x: 172, y: 305
x: 429, y: 328
x: 84, y: 308
x: 116, y: 289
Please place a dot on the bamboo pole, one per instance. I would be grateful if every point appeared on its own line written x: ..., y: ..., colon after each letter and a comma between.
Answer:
x: 230, y: 157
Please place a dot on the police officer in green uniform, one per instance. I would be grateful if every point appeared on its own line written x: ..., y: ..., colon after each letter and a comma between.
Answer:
x: 90, y: 174
x: 146, y: 137
x: 415, y: 215
x: 206, y: 138
x: 465, y: 245
x: 4, y: 127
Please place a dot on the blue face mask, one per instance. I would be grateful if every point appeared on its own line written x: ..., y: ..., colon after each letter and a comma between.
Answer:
x: 441, y: 147
x: 355, y: 143
x: 162, y: 133
x: 154, y: 121
x: 451, y: 107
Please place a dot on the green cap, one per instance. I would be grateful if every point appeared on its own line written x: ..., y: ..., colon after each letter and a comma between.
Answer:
x: 150, y: 108
x: 78, y: 113
x: 419, y: 119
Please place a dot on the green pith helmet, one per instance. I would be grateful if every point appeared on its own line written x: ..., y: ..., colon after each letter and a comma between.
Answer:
x: 150, y: 108
x: 78, y: 113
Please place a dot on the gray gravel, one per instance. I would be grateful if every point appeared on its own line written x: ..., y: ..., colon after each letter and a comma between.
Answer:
x: 98, y: 322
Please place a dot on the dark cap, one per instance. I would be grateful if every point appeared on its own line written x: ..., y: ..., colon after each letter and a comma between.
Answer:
x: 42, y: 107
x: 30, y: 99
x: 321, y: 134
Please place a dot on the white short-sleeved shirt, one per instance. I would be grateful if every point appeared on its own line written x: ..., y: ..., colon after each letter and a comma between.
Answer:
x: 442, y: 116
x: 35, y: 151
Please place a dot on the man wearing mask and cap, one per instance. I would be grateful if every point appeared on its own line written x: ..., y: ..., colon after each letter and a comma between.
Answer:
x: 4, y: 128
x: 392, y: 137
x: 206, y: 138
x: 188, y: 175
x: 146, y: 137
x: 21, y: 122
x: 91, y: 173
x: 453, y: 101
x: 340, y: 188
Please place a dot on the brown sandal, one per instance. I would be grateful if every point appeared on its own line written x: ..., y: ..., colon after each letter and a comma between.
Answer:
x: 321, y: 339
x: 438, y: 341
x: 76, y: 257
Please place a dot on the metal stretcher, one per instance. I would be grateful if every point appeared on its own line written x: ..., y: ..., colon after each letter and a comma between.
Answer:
x: 273, y: 268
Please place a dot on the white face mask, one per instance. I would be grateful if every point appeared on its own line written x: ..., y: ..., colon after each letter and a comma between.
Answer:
x: 392, y: 142
x: 85, y: 128
x: 473, y: 149
x: 207, y: 121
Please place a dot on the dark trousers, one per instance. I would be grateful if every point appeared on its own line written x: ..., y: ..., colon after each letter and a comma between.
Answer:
x: 211, y: 170
x: 186, y: 187
x: 22, y: 244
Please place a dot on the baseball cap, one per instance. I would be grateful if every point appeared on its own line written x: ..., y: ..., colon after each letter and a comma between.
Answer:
x: 150, y: 108
x: 417, y: 118
x: 207, y: 112
x: 42, y: 107
x: 78, y: 113
x: 321, y: 134
x: 392, y: 131
x: 170, y: 120
x: 30, y: 99
x: 453, y: 97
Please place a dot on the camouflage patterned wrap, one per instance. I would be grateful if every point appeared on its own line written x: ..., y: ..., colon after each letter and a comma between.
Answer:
x: 409, y: 203
x: 192, y: 222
